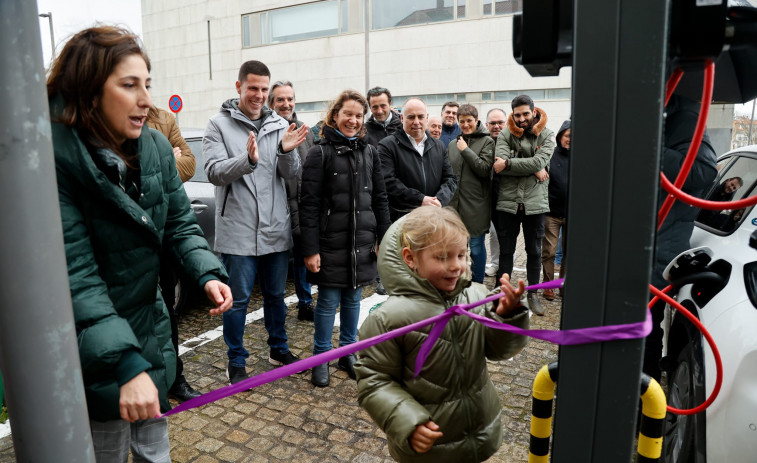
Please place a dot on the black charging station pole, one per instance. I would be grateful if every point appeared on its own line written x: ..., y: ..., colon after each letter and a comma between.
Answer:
x: 618, y: 93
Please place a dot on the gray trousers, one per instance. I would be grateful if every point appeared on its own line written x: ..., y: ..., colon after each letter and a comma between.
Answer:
x: 147, y: 439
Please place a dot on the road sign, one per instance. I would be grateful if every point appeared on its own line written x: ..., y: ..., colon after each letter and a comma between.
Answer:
x: 175, y: 103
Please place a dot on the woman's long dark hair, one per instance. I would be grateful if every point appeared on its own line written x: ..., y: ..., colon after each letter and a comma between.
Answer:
x: 79, y: 74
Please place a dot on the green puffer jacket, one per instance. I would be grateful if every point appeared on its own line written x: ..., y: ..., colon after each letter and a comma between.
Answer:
x: 453, y: 388
x: 527, y: 152
x: 473, y: 168
x: 113, y: 248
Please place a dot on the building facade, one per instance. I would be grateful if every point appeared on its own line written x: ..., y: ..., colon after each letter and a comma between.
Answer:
x: 439, y: 50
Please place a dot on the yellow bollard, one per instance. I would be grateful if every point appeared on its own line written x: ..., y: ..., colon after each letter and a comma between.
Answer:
x: 653, y: 411
x: 541, y: 413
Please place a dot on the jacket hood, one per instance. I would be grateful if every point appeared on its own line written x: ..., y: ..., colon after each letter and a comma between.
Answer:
x: 558, y: 148
x: 400, y: 280
x: 232, y: 105
x: 540, y: 118
x: 565, y: 126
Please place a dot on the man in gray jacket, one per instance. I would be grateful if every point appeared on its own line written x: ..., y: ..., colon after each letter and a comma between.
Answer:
x: 249, y: 153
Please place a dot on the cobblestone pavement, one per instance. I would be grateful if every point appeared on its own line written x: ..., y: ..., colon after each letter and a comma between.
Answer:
x: 290, y: 420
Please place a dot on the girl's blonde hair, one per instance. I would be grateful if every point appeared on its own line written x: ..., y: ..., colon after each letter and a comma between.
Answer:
x: 428, y: 226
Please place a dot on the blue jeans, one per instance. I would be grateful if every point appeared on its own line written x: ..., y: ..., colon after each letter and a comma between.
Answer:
x: 273, y: 276
x: 329, y: 298
x: 299, y: 275
x: 478, y: 256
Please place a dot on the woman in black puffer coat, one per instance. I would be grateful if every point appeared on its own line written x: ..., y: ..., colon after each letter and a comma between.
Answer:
x: 344, y: 213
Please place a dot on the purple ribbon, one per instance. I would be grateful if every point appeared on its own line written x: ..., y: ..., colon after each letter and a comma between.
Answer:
x: 565, y: 337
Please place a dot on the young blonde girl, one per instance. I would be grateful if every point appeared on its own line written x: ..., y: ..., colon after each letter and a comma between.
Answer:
x: 451, y: 411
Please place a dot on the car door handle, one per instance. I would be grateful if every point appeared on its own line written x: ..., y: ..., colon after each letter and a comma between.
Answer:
x: 198, y: 207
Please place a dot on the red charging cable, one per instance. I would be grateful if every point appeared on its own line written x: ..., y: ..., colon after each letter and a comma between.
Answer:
x: 715, y: 352
x: 676, y: 193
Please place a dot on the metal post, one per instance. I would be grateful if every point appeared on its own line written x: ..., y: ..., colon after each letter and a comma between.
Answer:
x: 210, y: 59
x: 367, y: 27
x: 618, y: 72
x: 751, y: 124
x: 38, y: 352
x: 49, y: 16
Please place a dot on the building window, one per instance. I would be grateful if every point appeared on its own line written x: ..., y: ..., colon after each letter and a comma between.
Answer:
x: 502, y: 7
x: 308, y: 21
x: 396, y: 13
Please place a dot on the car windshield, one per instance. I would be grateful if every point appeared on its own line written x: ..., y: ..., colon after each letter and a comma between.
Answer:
x: 736, y: 179
x: 195, y: 144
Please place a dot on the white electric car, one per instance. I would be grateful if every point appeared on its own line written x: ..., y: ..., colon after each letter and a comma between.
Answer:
x: 717, y: 282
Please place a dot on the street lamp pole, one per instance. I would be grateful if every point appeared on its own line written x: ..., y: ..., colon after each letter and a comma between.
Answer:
x: 49, y: 16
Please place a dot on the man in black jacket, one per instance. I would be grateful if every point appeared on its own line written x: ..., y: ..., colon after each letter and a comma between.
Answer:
x: 281, y: 99
x: 416, y: 169
x: 383, y: 121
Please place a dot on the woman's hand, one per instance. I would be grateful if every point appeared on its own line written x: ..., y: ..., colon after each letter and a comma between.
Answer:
x: 424, y: 436
x: 511, y: 299
x: 219, y: 294
x: 461, y: 145
x: 176, y: 152
x: 313, y: 263
x: 139, y: 399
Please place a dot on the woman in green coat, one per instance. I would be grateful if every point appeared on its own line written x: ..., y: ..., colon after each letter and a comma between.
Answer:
x: 121, y: 202
x: 471, y: 156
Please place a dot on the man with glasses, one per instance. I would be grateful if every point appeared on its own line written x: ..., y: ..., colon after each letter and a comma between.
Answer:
x: 281, y: 100
x: 496, y: 120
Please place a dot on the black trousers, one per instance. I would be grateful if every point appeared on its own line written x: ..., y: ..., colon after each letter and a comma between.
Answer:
x: 508, y: 227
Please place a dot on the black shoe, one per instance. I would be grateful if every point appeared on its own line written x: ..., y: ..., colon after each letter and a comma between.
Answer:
x: 319, y: 375
x: 182, y: 391
x: 347, y: 363
x: 276, y: 358
x: 381, y: 290
x: 306, y: 312
x: 534, y: 304
x: 236, y: 374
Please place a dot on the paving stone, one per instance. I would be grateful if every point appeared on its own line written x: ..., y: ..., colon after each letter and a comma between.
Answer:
x: 183, y: 454
x: 230, y: 454
x: 238, y: 437
x: 215, y: 429
x: 283, y: 452
x: 260, y: 444
x: 209, y: 445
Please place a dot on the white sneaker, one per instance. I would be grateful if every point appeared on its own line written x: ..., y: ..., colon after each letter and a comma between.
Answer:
x: 491, y: 270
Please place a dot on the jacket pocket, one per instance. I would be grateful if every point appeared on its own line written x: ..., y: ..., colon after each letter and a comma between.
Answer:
x: 325, y: 220
x: 225, y: 199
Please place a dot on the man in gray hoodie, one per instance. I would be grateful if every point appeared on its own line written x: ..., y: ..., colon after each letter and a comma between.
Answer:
x: 249, y: 153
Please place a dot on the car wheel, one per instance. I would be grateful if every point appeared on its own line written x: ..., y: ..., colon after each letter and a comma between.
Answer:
x: 684, y: 436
